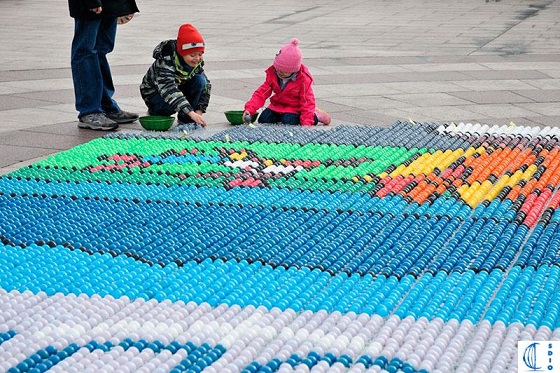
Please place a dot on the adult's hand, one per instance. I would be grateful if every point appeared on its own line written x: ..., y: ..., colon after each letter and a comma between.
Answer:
x: 125, y: 19
x: 97, y: 10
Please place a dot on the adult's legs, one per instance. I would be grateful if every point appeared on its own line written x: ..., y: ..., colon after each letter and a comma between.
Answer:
x: 105, y: 45
x: 86, y: 72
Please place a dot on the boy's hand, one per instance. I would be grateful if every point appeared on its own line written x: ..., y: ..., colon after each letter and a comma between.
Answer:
x: 197, y: 117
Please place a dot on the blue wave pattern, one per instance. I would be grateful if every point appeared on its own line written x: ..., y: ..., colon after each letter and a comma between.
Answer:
x: 198, y: 356
x: 363, y: 240
x: 461, y: 296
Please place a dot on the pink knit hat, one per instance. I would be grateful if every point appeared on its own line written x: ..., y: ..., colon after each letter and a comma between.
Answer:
x: 288, y: 58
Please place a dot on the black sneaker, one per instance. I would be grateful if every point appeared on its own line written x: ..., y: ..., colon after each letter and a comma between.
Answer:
x: 122, y: 117
x: 97, y: 121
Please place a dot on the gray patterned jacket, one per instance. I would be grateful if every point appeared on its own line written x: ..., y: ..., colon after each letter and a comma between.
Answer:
x: 167, y: 73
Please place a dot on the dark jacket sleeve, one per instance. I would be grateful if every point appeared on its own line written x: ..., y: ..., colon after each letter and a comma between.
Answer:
x: 111, y: 8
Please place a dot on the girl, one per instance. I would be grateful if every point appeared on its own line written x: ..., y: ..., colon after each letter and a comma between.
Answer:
x: 288, y: 84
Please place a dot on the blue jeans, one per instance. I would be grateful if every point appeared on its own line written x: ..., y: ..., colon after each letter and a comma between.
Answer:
x: 91, y: 75
x: 192, y: 90
x: 271, y: 116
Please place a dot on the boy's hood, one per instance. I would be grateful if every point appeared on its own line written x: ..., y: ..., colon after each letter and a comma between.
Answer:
x: 164, y: 49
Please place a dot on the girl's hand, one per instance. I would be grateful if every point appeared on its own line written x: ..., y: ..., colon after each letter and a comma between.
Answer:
x: 246, y: 117
x: 97, y: 10
x: 197, y: 117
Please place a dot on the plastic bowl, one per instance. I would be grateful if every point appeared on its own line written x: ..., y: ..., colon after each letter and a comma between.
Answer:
x: 156, y: 122
x: 236, y: 116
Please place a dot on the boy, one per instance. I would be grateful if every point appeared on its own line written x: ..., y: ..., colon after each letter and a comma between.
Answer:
x: 176, y: 82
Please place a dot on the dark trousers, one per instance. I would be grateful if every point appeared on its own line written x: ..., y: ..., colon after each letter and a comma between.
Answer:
x: 91, y: 75
x: 192, y: 90
x: 271, y: 116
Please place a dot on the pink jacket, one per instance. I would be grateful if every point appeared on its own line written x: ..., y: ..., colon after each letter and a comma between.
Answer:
x: 297, y: 97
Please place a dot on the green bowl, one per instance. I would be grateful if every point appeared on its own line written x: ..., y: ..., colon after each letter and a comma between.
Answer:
x: 236, y: 116
x: 156, y: 122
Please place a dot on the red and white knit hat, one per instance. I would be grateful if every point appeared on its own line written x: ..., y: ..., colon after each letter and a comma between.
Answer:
x: 288, y: 58
x: 189, y: 40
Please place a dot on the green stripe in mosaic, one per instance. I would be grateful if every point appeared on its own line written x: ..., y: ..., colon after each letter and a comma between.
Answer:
x: 128, y: 176
x: 39, y: 172
x: 144, y: 176
x: 320, y: 152
x: 330, y: 182
x: 87, y: 154
x: 322, y: 177
x: 189, y: 168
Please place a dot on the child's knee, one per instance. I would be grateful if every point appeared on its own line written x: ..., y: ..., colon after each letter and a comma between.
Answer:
x: 267, y: 116
x: 290, y: 118
x: 198, y: 82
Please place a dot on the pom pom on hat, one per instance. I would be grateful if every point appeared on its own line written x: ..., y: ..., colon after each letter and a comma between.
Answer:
x: 288, y: 58
x: 189, y: 40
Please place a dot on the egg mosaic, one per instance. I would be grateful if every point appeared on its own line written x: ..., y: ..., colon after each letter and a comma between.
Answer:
x: 417, y: 247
